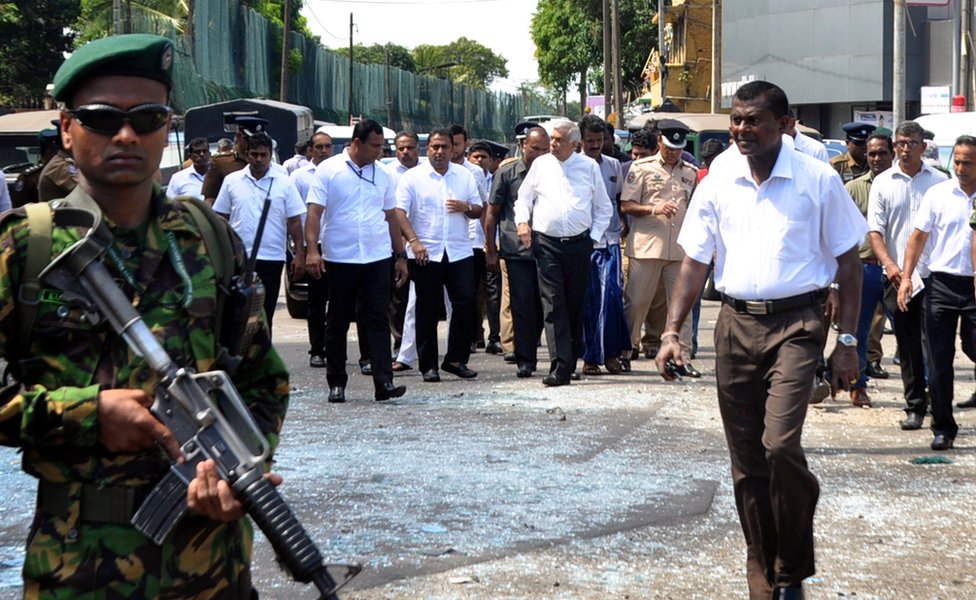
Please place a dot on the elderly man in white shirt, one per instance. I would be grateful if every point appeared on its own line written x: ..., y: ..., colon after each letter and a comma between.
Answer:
x: 943, y: 221
x: 351, y: 211
x: 189, y: 181
x: 892, y: 204
x: 241, y: 200
x: 782, y: 228
x: 435, y: 201
x: 562, y: 210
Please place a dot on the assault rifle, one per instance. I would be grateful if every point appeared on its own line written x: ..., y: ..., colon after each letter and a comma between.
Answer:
x: 203, y: 410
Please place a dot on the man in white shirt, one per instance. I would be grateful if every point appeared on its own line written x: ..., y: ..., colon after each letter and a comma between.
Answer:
x: 805, y: 143
x: 241, y: 200
x: 562, y: 210
x: 892, y: 204
x: 299, y: 160
x: 318, y: 290
x: 943, y: 222
x: 435, y: 201
x: 782, y: 228
x: 403, y: 303
x: 189, y: 181
x: 351, y: 212
x: 484, y: 154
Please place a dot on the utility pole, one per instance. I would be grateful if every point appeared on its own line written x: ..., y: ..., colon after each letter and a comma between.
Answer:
x: 350, y: 68
x: 618, y: 92
x: 956, y: 47
x: 898, y: 68
x: 389, y: 92
x: 116, y: 17
x: 607, y: 58
x: 716, y: 84
x: 660, y: 48
x: 285, y: 52
x: 128, y: 16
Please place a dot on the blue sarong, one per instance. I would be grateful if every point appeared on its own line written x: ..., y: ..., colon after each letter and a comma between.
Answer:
x: 605, y: 331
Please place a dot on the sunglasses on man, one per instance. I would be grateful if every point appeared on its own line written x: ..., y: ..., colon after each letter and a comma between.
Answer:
x: 108, y: 120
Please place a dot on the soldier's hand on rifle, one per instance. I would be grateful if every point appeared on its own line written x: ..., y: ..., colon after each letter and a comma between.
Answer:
x: 211, y: 496
x: 126, y: 425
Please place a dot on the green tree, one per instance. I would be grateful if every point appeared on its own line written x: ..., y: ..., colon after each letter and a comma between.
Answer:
x: 400, y: 57
x: 35, y: 34
x: 462, y: 61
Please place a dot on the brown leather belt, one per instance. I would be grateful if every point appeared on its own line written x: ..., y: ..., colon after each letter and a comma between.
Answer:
x: 769, y: 307
x: 103, y: 505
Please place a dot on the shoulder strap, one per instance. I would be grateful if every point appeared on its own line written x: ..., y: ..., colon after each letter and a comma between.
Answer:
x: 40, y: 218
x: 219, y: 248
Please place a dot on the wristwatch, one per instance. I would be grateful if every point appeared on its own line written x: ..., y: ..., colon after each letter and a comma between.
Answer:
x: 847, y: 339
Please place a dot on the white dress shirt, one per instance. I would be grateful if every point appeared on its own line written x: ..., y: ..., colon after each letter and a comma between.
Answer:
x: 808, y: 145
x: 242, y: 198
x: 892, y: 205
x: 295, y: 162
x: 423, y: 193
x: 776, y: 239
x: 475, y: 230
x: 564, y: 199
x: 944, y: 215
x: 186, y: 182
x: 303, y: 178
x: 354, y: 228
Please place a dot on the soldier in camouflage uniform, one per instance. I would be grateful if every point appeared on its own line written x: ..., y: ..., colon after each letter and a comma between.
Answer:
x: 79, y: 413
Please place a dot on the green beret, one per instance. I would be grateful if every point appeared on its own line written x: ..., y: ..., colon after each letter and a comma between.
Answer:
x: 134, y: 55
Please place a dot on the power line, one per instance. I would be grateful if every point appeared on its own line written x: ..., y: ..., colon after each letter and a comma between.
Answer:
x: 311, y: 11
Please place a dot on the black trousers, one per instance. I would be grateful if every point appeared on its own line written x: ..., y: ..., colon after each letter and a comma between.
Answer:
x: 526, y: 306
x: 429, y: 282
x: 368, y: 287
x: 269, y: 271
x: 493, y: 304
x: 909, y: 338
x: 488, y: 299
x: 397, y: 313
x: 318, y: 300
x: 563, y: 268
x: 948, y: 299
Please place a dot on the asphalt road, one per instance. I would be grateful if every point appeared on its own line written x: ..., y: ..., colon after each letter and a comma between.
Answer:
x: 613, y: 487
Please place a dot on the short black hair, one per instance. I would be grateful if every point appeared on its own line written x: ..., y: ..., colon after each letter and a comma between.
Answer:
x: 408, y: 134
x: 481, y: 146
x: 197, y: 141
x: 711, y: 147
x: 259, y: 140
x: 772, y: 96
x: 644, y: 138
x: 362, y: 130
x: 442, y: 131
x: 965, y: 140
x: 910, y: 129
x: 458, y: 130
x: 593, y: 124
x: 881, y: 136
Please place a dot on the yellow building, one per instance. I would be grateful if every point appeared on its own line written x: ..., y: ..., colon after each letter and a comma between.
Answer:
x: 688, y: 55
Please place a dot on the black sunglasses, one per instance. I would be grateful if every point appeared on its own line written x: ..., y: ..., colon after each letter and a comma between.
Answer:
x: 108, y: 120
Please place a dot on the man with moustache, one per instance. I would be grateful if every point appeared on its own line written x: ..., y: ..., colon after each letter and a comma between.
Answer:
x: 853, y: 163
x: 523, y: 283
x: 189, y: 181
x: 782, y: 228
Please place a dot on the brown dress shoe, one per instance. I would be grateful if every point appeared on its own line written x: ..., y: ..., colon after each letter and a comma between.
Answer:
x: 859, y: 397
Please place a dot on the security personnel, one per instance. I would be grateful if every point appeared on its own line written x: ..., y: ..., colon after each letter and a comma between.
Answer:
x: 25, y: 188
x: 225, y: 164
x: 853, y: 163
x: 58, y: 177
x: 84, y: 428
x: 655, y: 197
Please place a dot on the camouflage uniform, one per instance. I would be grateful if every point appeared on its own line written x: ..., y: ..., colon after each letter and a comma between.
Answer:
x: 52, y: 417
x: 222, y: 166
x: 58, y: 178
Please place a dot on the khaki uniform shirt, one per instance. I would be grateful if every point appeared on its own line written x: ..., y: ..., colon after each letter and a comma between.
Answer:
x: 222, y: 166
x: 58, y: 179
x: 860, y: 190
x: 847, y: 167
x: 650, y: 181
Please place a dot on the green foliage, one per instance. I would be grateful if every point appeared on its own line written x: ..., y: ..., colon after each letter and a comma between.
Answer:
x: 95, y: 20
x: 400, y: 57
x: 274, y: 12
x: 35, y: 35
x: 295, y: 59
x: 462, y: 61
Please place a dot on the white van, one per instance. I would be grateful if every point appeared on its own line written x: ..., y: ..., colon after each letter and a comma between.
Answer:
x: 947, y: 127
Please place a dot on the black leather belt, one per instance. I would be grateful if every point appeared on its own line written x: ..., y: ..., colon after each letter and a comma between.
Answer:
x: 572, y: 238
x: 769, y: 307
x: 103, y: 505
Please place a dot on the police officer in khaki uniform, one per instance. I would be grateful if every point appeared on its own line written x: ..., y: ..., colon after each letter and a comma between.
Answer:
x: 225, y: 164
x: 58, y: 177
x: 853, y: 163
x: 25, y: 188
x: 655, y: 197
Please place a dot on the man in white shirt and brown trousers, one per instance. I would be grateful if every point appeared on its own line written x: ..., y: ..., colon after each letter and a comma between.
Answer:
x: 565, y: 200
x: 943, y: 219
x: 781, y: 226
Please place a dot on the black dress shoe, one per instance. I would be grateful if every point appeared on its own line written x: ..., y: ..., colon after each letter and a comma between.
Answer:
x: 524, y: 371
x: 942, y: 442
x: 971, y: 403
x: 509, y: 357
x: 554, y: 381
x: 575, y: 376
x: 388, y: 390
x: 460, y: 370
x: 316, y: 361
x: 689, y: 370
x: 912, y: 422
x: 634, y: 354
x: 874, y: 370
x: 337, y: 394
x: 432, y: 376
x: 494, y: 348
x: 793, y: 592
x: 365, y: 367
